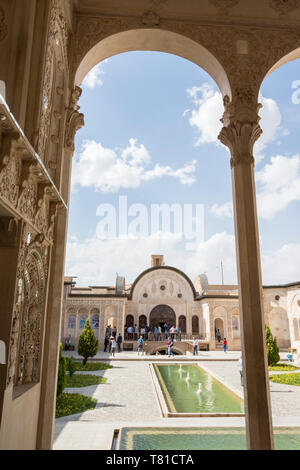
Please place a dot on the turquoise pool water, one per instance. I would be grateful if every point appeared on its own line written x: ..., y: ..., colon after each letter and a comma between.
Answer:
x: 200, y: 439
x: 181, y: 394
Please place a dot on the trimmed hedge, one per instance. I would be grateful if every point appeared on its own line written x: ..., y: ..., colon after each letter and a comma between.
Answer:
x: 71, y: 403
x: 282, y: 367
x: 286, y: 379
x: 80, y: 380
x: 90, y: 366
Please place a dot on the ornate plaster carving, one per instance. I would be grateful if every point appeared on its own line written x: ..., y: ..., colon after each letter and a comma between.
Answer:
x: 74, y: 119
x: 224, y: 6
x: 240, y: 132
x: 3, y: 26
x: 284, y: 7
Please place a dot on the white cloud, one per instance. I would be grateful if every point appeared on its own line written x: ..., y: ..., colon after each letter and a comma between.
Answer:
x: 278, y: 185
x: 209, y: 110
x: 109, y: 170
x: 207, y: 113
x: 90, y: 262
x: 270, y: 124
x: 282, y: 265
x: 222, y: 210
x: 93, y: 78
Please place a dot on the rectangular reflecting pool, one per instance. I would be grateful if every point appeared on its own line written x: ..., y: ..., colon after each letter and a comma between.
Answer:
x: 200, y: 439
x: 187, y: 388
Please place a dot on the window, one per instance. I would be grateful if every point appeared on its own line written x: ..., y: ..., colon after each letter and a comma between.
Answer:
x: 72, y: 322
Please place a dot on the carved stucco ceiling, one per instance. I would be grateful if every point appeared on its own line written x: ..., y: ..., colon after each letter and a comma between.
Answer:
x: 257, y: 11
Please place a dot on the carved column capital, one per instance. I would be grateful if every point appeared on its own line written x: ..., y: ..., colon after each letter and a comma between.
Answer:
x: 74, y: 119
x: 240, y: 131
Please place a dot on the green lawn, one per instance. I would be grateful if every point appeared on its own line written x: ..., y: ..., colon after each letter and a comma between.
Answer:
x: 282, y: 367
x: 81, y: 380
x: 71, y: 403
x: 90, y: 366
x: 287, y: 379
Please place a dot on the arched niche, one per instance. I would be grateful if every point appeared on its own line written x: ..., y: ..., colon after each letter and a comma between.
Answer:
x: 279, y: 325
x: 152, y: 39
x: 195, y: 324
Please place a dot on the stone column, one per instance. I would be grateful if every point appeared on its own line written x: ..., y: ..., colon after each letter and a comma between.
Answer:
x: 74, y: 120
x: 240, y: 131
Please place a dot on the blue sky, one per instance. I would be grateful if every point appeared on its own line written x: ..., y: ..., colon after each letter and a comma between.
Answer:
x: 151, y: 126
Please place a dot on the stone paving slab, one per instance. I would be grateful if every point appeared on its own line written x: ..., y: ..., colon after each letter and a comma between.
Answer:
x: 128, y: 399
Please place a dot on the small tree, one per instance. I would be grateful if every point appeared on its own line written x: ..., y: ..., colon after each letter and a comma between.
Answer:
x: 272, y: 348
x: 61, y: 377
x: 88, y: 343
x: 71, y: 366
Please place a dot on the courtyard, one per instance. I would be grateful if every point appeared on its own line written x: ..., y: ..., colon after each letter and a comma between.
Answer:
x: 128, y: 400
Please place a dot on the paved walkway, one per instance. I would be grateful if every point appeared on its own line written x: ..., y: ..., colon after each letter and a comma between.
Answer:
x: 129, y: 399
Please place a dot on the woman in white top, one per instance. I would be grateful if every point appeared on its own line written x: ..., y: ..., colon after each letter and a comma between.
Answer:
x: 113, y: 346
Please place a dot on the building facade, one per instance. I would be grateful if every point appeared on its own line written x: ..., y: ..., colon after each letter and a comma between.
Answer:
x: 164, y: 294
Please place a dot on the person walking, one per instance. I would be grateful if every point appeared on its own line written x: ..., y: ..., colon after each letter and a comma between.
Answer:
x: 170, y: 345
x: 110, y: 342
x: 166, y: 330
x: 240, y: 366
x: 113, y: 346
x: 140, y: 345
x: 225, y: 345
x: 106, y: 341
x: 195, y: 346
x: 119, y: 341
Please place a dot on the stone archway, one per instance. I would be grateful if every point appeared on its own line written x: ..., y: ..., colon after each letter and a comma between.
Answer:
x: 219, y: 325
x: 162, y: 314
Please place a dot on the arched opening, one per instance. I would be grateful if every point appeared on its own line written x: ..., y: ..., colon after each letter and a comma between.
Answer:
x: 219, y: 329
x: 296, y: 329
x: 235, y: 324
x: 154, y: 40
x: 160, y: 315
x: 279, y: 325
x: 195, y: 325
x: 142, y: 321
x: 95, y: 319
x: 129, y: 321
x: 182, y: 324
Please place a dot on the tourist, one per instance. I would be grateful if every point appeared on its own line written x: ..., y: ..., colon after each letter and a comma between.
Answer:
x: 170, y: 345
x: 136, y: 331
x: 130, y: 332
x: 113, y: 346
x: 159, y: 332
x: 148, y: 331
x: 218, y: 335
x: 240, y: 366
x: 166, y: 329
x: 140, y: 345
x: 106, y: 341
x: 177, y: 333
x: 111, y: 339
x: 108, y: 331
x: 119, y: 341
x: 225, y: 345
x: 143, y: 331
x: 172, y: 331
x: 155, y: 333
x: 195, y: 346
